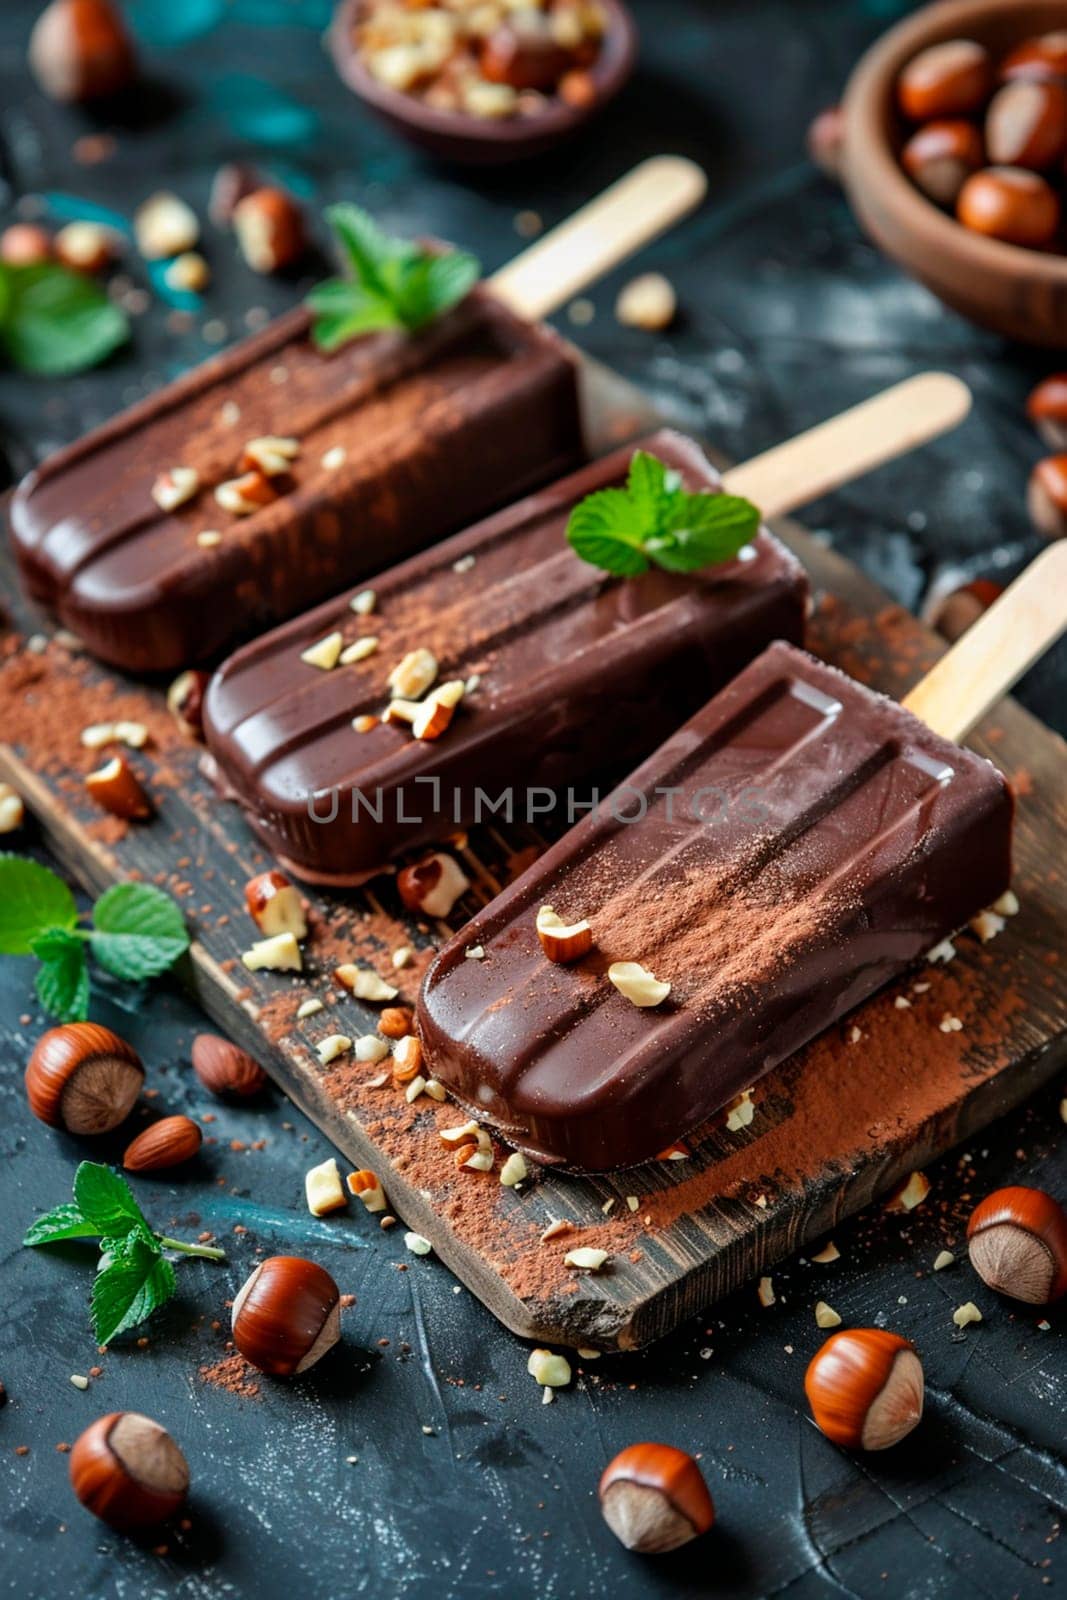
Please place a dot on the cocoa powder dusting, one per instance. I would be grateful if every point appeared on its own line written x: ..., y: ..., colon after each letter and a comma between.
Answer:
x: 232, y: 1373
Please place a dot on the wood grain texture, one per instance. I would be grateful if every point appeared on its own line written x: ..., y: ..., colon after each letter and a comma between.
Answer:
x: 833, y: 1128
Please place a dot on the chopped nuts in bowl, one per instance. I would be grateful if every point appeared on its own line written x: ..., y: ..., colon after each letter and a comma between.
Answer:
x: 491, y: 81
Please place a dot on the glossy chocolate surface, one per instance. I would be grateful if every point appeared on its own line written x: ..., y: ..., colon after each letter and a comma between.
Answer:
x: 577, y: 673
x: 842, y: 841
x: 403, y: 439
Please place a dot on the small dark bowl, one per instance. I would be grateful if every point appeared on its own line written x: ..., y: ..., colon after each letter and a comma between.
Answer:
x: 1019, y: 293
x: 476, y: 141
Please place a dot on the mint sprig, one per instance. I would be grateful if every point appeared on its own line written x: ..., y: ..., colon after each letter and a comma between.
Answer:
x: 54, y: 322
x: 655, y: 521
x: 391, y: 283
x: 138, y: 932
x: 133, y: 1276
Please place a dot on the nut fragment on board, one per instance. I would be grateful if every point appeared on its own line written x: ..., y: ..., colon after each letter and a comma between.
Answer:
x: 364, y: 983
x: 12, y: 810
x: 432, y: 886
x: 334, y: 1045
x: 279, y: 954
x: 174, y: 487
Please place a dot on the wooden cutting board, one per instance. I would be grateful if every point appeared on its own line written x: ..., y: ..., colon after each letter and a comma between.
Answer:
x: 835, y: 1127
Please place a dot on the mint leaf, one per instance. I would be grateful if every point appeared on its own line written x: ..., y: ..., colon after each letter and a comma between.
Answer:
x: 65, y: 1222
x: 32, y: 899
x: 62, y: 983
x: 105, y: 1200
x: 58, y: 322
x: 393, y: 283
x: 655, y: 520
x: 133, y: 1280
x: 138, y: 931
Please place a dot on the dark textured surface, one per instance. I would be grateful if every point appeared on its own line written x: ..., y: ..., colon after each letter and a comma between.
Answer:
x: 788, y: 316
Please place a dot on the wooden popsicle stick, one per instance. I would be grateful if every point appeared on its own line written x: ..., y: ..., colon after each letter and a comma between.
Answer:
x: 994, y: 653
x: 860, y: 439
x: 606, y: 231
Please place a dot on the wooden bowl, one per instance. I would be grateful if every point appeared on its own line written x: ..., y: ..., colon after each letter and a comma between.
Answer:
x: 458, y: 136
x: 1016, y: 292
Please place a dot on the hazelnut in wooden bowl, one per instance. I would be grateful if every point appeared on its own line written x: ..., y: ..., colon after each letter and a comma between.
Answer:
x: 955, y: 150
x: 488, y: 84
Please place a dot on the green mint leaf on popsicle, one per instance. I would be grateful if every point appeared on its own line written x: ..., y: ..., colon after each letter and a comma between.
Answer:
x: 54, y: 322
x: 391, y: 283
x: 654, y: 521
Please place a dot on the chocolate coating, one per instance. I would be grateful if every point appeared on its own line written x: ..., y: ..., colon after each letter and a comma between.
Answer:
x: 436, y: 428
x: 844, y: 841
x: 577, y: 673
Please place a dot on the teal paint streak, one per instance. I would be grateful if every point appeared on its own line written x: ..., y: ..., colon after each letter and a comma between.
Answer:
x: 163, y: 23
x: 294, y: 1226
x: 283, y: 13
x: 262, y: 113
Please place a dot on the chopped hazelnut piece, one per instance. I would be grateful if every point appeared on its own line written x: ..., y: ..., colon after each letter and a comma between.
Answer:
x: 209, y: 538
x: 189, y: 273
x: 325, y: 654
x: 828, y: 1253
x: 365, y: 983
x: 279, y: 954
x: 310, y: 1008
x: 365, y: 723
x: 417, y: 1244
x: 585, y: 1259
x: 334, y: 1045
x: 1007, y: 905
x: 765, y: 1291
x: 435, y: 1090
x: 172, y: 489
x: 674, y: 1152
x: 826, y: 1316
x: 407, y: 1059
x: 165, y: 226
x: 966, y: 1314
x: 323, y: 1187
x: 413, y: 674
x: 550, y: 1370
x: 370, y: 1048
x: 477, y: 1161
x: 987, y: 924
x: 270, y: 455
x: 554, y: 1229
x: 415, y: 1088
x: 403, y: 956
x: 401, y: 711
x: 563, y: 941
x: 648, y: 302
x: 432, y: 886
x: 514, y: 1170
x: 335, y: 458
x: 633, y: 1203
x: 740, y: 1112
x: 366, y: 1185
x: 466, y: 1133
x: 437, y: 710
x: 244, y: 496
x: 474, y: 952
x: 363, y: 603
x: 943, y: 952
x: 12, y: 810
x: 943, y: 1259
x: 911, y: 1193
x: 359, y: 650
x: 637, y: 984
x: 394, y: 1022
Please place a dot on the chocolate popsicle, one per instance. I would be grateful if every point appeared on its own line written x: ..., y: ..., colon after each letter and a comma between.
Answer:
x: 400, y: 439
x: 797, y: 844
x: 577, y: 673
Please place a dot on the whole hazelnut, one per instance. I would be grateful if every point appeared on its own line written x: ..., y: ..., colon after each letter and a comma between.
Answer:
x: 1041, y: 59
x: 941, y: 157
x: 185, y: 701
x: 127, y: 1470
x: 1017, y: 1242
x: 80, y: 50
x: 83, y: 1077
x: 654, y: 1498
x: 1026, y: 125
x: 25, y: 244
x: 865, y: 1388
x: 952, y: 613
x: 286, y: 1316
x: 952, y: 79
x: 225, y: 1068
x: 270, y: 230
x: 1011, y: 204
x: 1047, y: 410
x: 826, y: 142
x: 1046, y: 497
